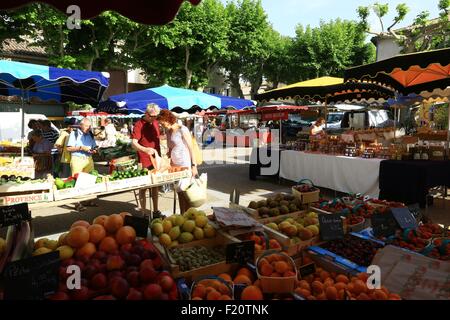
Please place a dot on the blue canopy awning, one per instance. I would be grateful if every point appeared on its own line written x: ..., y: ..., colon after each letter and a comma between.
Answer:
x: 168, y: 97
x: 49, y: 83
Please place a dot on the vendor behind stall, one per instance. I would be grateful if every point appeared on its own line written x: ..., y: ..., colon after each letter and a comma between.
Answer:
x: 41, y: 154
x: 316, y: 129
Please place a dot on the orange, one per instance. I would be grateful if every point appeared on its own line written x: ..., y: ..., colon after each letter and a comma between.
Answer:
x: 273, y: 257
x: 342, y: 278
x: 328, y: 282
x: 252, y: 293
x: 275, y: 275
x: 362, y: 276
x: 303, y: 284
x: 288, y: 274
x: 213, y: 295
x: 351, y: 287
x: 199, y: 291
x: 311, y: 298
x: 125, y: 235
x: 242, y: 279
x: 82, y: 223
x: 394, y: 296
x: 113, y: 223
x: 359, y: 287
x: 246, y: 272
x: 331, y: 293
x: 77, y: 237
x: 324, y: 275
x: 363, y: 296
x: 100, y: 220
x: 224, y: 297
x: 340, y: 286
x: 341, y: 294
x: 317, y: 287
x: 196, y: 298
x: 225, y: 276
x: 262, y: 262
x: 266, y: 270
x: 223, y: 289
x: 96, y: 233
x: 302, y: 292
x: 380, y: 295
x: 385, y: 290
x: 257, y: 283
x: 87, y: 250
x: 108, y: 244
x: 281, y: 267
x: 321, y: 296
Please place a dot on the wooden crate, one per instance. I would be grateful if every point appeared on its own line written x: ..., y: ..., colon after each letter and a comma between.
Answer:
x: 128, y: 183
x: 28, y: 197
x: 307, y: 197
x: 221, y: 239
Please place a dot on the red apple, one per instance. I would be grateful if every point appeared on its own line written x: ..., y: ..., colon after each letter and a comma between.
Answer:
x: 80, y: 294
x: 59, y: 296
x: 134, y: 260
x: 133, y: 279
x: 146, y: 263
x: 166, y: 283
x: 132, y: 268
x: 80, y: 264
x: 114, y: 263
x: 119, y: 288
x: 134, y: 295
x: 157, y: 263
x: 63, y: 275
x: 100, y: 255
x: 89, y: 271
x: 105, y: 297
x: 84, y: 282
x: 164, y: 296
x: 125, y: 255
x: 67, y: 262
x: 99, y: 281
x: 126, y: 247
x: 147, y: 274
x: 152, y: 292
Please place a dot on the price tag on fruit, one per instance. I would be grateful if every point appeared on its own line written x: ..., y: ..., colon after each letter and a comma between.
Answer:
x: 331, y: 227
x: 307, y: 269
x: 404, y: 218
x: 384, y: 224
x: 32, y: 278
x: 139, y: 224
x: 11, y: 215
x: 241, y: 252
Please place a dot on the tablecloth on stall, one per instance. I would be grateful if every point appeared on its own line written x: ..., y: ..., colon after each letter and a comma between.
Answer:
x: 344, y: 174
x: 409, y: 181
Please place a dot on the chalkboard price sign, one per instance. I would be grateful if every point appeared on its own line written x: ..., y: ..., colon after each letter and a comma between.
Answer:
x: 11, y: 215
x: 241, y: 252
x: 405, y: 218
x: 331, y: 227
x: 307, y: 269
x: 384, y: 224
x: 139, y: 224
x: 33, y: 278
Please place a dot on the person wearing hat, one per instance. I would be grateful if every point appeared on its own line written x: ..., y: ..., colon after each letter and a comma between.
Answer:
x: 61, y: 145
x: 145, y: 140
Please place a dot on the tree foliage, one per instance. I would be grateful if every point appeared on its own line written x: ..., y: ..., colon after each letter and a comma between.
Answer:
x: 424, y: 34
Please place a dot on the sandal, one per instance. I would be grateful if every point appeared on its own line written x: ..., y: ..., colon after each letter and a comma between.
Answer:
x: 80, y: 207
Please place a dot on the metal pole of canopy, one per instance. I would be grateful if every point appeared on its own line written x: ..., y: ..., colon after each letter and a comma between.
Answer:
x: 22, y: 134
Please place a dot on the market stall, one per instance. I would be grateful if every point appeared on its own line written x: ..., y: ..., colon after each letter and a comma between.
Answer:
x: 340, y: 173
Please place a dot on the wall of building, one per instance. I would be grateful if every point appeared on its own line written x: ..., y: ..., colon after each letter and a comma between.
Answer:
x: 387, y: 48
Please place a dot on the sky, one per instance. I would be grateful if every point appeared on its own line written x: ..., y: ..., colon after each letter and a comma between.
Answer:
x: 285, y: 15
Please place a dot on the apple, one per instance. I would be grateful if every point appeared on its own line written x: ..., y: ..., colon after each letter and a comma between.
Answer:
x: 166, y: 283
x: 134, y: 260
x: 134, y: 294
x: 99, y: 281
x: 147, y: 274
x: 114, y: 263
x: 120, y: 288
x: 152, y: 292
x: 132, y: 268
x: 146, y: 263
x: 164, y: 296
x: 89, y: 271
x: 80, y: 294
x: 126, y: 247
x: 60, y: 295
x: 133, y: 279
x: 67, y: 262
x: 105, y: 297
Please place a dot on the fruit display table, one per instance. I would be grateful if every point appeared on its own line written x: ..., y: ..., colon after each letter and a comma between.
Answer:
x: 344, y: 174
x: 409, y: 181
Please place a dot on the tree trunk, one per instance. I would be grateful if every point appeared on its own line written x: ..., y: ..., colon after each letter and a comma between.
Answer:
x: 186, y: 68
x: 236, y: 85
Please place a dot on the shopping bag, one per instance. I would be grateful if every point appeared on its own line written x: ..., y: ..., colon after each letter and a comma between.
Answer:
x: 197, y: 152
x: 195, y: 191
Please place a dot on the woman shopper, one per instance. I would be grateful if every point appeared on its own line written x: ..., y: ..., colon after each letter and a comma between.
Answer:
x: 61, y: 145
x: 181, y: 152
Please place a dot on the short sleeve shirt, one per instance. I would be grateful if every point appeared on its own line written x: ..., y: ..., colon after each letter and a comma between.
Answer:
x: 81, y: 140
x: 147, y: 135
x: 52, y: 135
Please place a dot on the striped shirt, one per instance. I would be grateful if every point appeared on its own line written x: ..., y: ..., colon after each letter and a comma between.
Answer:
x: 52, y: 135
